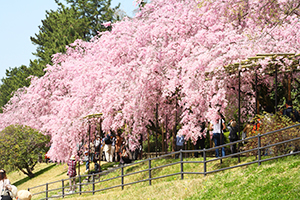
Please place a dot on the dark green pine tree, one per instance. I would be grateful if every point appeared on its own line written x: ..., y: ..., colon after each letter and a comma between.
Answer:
x: 15, y: 78
x: 80, y: 19
x: 59, y: 29
x: 95, y: 13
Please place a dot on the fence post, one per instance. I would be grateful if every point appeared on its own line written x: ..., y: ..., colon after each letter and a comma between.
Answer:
x: 63, y: 188
x: 122, y: 176
x: 181, y: 164
x: 239, y: 156
x: 204, y: 159
x: 93, y: 184
x: 258, y: 151
x: 149, y: 172
x: 46, y: 190
x: 79, y: 177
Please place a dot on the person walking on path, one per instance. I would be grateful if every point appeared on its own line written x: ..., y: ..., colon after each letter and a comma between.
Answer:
x: 113, y: 148
x: 107, y: 147
x: 200, y: 140
x: 233, y: 136
x: 179, y: 144
x: 217, y: 127
x: 86, y: 159
x: 72, y: 173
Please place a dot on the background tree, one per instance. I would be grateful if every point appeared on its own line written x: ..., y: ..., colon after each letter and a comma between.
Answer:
x: 60, y: 28
x: 15, y: 78
x: 78, y: 20
x: 20, y: 147
x: 95, y: 13
x: 169, y: 61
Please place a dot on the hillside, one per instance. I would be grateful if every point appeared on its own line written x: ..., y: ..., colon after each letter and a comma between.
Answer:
x: 277, y: 179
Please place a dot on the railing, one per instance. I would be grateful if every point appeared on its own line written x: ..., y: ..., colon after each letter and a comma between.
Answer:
x: 96, y: 180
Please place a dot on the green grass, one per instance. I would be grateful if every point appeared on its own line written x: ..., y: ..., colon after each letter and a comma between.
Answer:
x: 276, y: 179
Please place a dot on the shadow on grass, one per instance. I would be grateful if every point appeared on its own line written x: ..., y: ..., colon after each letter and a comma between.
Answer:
x: 108, y: 165
x: 20, y: 182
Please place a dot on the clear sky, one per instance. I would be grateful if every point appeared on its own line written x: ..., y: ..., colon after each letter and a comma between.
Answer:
x: 19, y: 19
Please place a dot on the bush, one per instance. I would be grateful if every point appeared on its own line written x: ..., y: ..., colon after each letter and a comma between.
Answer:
x: 20, y: 147
x: 269, y: 122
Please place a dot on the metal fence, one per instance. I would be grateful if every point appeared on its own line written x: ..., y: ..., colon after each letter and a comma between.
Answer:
x: 95, y: 179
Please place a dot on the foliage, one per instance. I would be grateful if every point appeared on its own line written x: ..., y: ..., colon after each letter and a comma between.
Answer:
x: 174, y: 54
x: 59, y: 29
x: 20, y: 147
x: 95, y: 15
x: 270, y: 123
x: 83, y: 20
x: 15, y: 79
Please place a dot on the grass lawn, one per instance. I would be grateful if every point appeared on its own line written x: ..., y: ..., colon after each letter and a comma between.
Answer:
x: 277, y: 179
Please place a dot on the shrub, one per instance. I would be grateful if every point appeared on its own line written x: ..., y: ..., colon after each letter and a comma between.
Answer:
x: 269, y: 122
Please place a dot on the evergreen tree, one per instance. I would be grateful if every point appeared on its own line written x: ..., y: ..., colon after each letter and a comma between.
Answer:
x: 15, y: 78
x: 95, y: 13
x: 59, y: 29
x: 81, y: 19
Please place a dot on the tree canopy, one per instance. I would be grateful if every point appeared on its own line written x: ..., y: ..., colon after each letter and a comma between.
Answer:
x: 171, y: 56
x: 76, y: 20
x: 20, y: 147
x: 82, y: 19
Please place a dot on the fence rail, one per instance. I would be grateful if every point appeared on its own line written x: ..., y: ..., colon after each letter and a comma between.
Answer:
x: 181, y: 162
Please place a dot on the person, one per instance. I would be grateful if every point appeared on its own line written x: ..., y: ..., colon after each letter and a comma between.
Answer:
x: 233, y: 136
x: 113, y: 148
x: 5, y: 186
x: 218, y: 137
x: 24, y: 195
x: 96, y: 164
x: 118, y: 151
x: 14, y: 191
x: 102, y: 153
x: 179, y: 144
x: 92, y: 149
x: 200, y: 140
x: 87, y: 161
x: 72, y: 173
x: 290, y: 112
x: 97, y: 156
x: 124, y: 157
x: 97, y: 144
x: 107, y: 147
x: 47, y: 158
x: 246, y: 131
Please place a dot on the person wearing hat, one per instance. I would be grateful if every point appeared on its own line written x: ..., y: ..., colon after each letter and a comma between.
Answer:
x: 72, y: 173
x: 87, y: 161
x: 24, y: 195
x: 5, y: 186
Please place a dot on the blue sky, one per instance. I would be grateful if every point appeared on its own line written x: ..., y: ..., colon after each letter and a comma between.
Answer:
x: 19, y: 20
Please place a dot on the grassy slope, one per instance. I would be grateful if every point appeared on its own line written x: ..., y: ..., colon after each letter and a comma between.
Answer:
x: 278, y: 179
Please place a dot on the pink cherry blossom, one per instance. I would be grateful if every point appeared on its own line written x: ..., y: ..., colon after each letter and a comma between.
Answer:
x: 172, y: 51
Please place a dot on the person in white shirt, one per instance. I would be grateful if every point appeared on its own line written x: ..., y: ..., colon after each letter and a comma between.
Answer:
x: 4, y: 185
x: 217, y: 127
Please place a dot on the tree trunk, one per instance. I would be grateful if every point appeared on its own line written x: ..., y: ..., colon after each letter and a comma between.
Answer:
x: 173, y: 139
x: 28, y: 172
